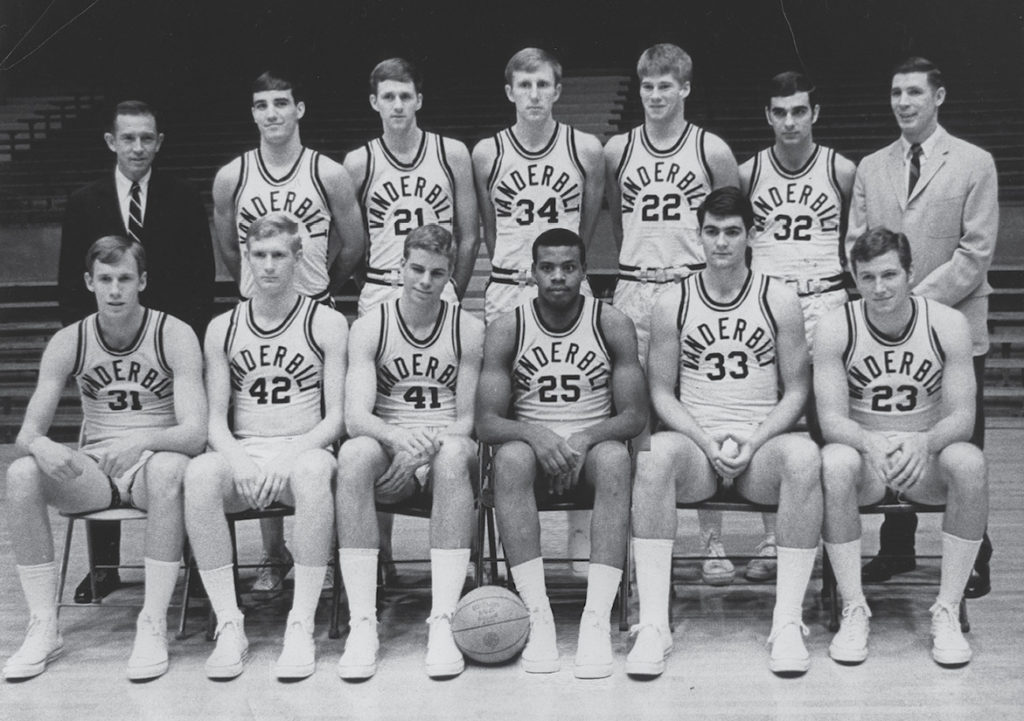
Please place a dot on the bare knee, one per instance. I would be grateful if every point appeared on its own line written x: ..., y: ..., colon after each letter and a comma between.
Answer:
x: 802, y: 462
x: 203, y: 480
x: 611, y: 463
x: 964, y: 467
x: 312, y: 474
x: 515, y: 466
x: 24, y: 481
x: 165, y: 474
x: 840, y: 468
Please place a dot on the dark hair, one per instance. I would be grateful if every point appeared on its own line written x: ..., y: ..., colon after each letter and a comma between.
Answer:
x: 665, y: 59
x: 880, y: 241
x: 431, y: 238
x: 530, y: 59
x: 111, y: 248
x: 560, y: 238
x: 727, y: 201
x: 398, y: 69
x: 133, y: 107
x: 917, y: 64
x: 789, y: 83
x: 271, y: 80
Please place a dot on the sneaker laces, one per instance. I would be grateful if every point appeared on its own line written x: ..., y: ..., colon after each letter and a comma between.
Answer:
x: 780, y: 627
x: 950, y: 619
x: 767, y: 547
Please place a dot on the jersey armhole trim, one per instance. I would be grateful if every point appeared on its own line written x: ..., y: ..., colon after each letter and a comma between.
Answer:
x: 851, y: 332
x: 158, y: 337
x: 703, y: 157
x: 382, y: 331
x: 627, y: 151
x: 573, y: 152
x: 499, y: 150
x: 442, y: 158
x: 243, y: 174
x: 595, y: 323
x: 766, y: 309
x: 80, y: 347
x: 311, y: 310
x: 314, y: 172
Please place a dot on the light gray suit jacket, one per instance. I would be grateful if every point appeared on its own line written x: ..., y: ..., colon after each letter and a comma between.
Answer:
x: 951, y: 220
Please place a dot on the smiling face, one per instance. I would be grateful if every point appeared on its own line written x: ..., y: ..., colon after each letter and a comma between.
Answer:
x: 534, y: 92
x: 791, y: 118
x: 663, y: 96
x: 724, y: 239
x: 116, y: 285
x: 915, y: 103
x: 424, y: 275
x: 396, y: 102
x: 136, y: 142
x: 277, y: 115
x: 884, y: 283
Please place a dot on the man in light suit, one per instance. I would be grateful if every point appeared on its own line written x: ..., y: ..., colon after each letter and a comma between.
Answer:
x: 942, y: 193
x: 174, y: 230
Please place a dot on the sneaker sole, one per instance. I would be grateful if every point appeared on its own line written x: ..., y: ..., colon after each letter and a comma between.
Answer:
x: 789, y: 666
x: 645, y: 668
x: 756, y: 575
x: 31, y: 670
x: 357, y: 673
x: 294, y: 673
x: 226, y: 673
x: 951, y: 658
x: 593, y: 670
x: 147, y: 673
x: 446, y: 670
x: 718, y: 579
x: 848, y: 656
x: 541, y: 666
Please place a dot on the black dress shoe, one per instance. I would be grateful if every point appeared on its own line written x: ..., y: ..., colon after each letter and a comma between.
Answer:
x: 980, y: 583
x: 882, y: 568
x: 107, y: 581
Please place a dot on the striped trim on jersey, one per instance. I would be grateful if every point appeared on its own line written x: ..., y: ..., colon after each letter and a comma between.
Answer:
x: 428, y: 141
x: 830, y: 161
x: 243, y: 313
x: 158, y: 318
x: 392, y: 309
x: 508, y: 138
x: 639, y: 135
x: 254, y: 159
x: 531, y: 307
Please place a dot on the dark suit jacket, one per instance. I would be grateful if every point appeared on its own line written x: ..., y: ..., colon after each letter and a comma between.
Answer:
x: 176, y: 236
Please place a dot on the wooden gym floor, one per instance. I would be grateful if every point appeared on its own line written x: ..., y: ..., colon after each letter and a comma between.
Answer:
x: 718, y: 668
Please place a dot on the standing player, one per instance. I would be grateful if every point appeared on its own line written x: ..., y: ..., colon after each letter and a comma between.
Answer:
x: 561, y: 394
x: 414, y: 365
x: 276, y: 364
x: 895, y: 389
x: 139, y: 373
x: 282, y: 175
x: 408, y: 178
x: 536, y: 175
x: 728, y: 376
x: 801, y: 195
x: 662, y: 172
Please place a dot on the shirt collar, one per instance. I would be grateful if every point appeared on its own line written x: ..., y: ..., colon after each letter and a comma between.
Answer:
x: 927, y: 147
x: 124, y: 185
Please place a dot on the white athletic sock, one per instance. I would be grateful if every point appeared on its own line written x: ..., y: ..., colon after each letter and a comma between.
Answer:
x: 958, y: 556
x: 160, y: 579
x: 39, y: 582
x: 529, y: 578
x: 359, y: 573
x: 447, y: 577
x: 220, y: 588
x: 653, y: 578
x: 309, y: 582
x: 794, y: 571
x: 602, y: 587
x: 845, y: 560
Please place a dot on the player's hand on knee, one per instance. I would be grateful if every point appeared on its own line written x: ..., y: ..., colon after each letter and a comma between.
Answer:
x: 415, y: 442
x: 57, y: 460
x: 909, y: 462
x: 400, y: 473
x: 879, y: 452
x: 246, y: 475
x: 271, y: 482
x: 121, y: 454
x: 554, y: 454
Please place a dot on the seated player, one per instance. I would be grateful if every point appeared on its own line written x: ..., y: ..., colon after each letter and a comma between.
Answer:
x: 894, y: 382
x: 561, y: 393
x: 728, y: 374
x: 275, y: 366
x: 139, y: 373
x: 413, y: 369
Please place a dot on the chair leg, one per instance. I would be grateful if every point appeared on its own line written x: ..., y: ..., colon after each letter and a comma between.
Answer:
x: 64, y: 561
x: 478, y: 542
x: 828, y: 579
x: 965, y: 623
x: 92, y: 564
x: 627, y: 571
x: 334, y: 630
x: 492, y: 541
x: 187, y: 554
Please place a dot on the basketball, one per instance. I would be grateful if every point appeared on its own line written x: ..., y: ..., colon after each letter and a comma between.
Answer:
x: 491, y: 624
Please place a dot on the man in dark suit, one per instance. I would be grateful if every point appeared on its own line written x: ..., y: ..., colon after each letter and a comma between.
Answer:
x: 942, y: 193
x: 167, y: 216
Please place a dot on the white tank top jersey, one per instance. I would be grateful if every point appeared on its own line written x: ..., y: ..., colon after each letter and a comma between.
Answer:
x: 301, y: 194
x: 276, y: 373
x: 661, y: 190
x: 796, y: 216
x: 561, y: 379
x: 123, y: 390
x: 399, y: 197
x: 894, y: 384
x: 728, y: 367
x: 533, y: 192
x: 416, y: 377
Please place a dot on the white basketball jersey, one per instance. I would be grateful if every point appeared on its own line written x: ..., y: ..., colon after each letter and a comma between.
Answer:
x: 895, y: 384
x: 399, y: 197
x: 276, y: 373
x: 123, y: 390
x: 533, y: 192
x: 796, y: 216
x: 728, y: 368
x: 561, y: 379
x: 661, y: 190
x: 301, y: 194
x: 416, y: 377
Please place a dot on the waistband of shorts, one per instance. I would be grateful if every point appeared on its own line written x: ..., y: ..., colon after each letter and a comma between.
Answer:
x: 511, y: 276
x: 814, y: 286
x: 644, y: 274
x: 384, y: 276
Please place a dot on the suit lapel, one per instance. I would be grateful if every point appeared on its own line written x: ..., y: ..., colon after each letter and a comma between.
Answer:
x: 896, y: 173
x: 931, y: 167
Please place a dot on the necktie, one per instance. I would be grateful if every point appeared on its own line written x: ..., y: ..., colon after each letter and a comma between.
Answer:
x: 135, y: 214
x: 915, y: 167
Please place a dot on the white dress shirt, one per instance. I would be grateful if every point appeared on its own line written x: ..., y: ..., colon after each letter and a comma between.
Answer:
x: 927, y: 151
x: 124, y: 193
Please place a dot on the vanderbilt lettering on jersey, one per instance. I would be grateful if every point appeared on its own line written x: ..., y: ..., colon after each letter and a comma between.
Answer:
x: 533, y: 192
x: 276, y: 374
x: 416, y: 377
x: 301, y: 194
x: 894, y: 384
x: 400, y: 197
x: 796, y: 215
x: 561, y: 379
x: 127, y: 389
x: 660, y: 192
x: 728, y: 367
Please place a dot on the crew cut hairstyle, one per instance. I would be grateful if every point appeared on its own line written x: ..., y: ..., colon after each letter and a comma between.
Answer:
x: 398, y: 69
x: 111, y: 248
x: 727, y: 201
x: 431, y: 238
x: 530, y: 59
x: 879, y: 241
x: 560, y: 238
x: 917, y: 64
x: 789, y: 83
x: 665, y: 59
x: 132, y: 107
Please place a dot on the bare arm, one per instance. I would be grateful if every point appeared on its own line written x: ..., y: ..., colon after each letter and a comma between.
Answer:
x: 958, y: 383
x: 224, y: 217
x: 592, y: 158
x: 483, y: 162
x: 746, y: 172
x: 467, y: 220
x: 331, y: 331
x: 846, y: 171
x: 721, y: 161
x: 469, y: 376
x: 857, y: 220
x: 54, y: 371
x: 612, y: 157
x: 347, y: 240
x: 218, y: 391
